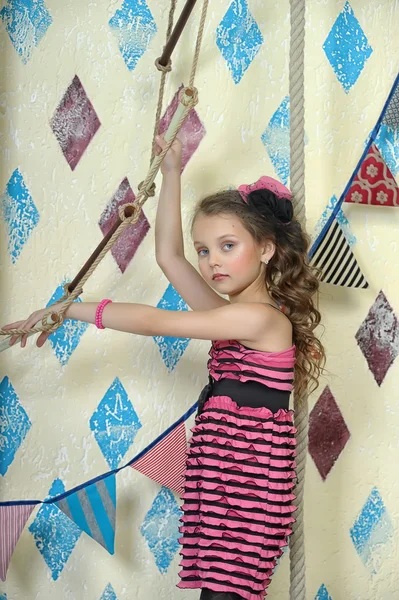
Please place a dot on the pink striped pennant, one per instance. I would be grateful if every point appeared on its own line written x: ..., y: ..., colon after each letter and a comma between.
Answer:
x: 165, y: 463
x: 12, y: 522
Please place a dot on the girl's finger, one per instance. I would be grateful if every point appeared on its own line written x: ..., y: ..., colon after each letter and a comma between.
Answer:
x: 24, y: 339
x: 14, y: 339
x: 13, y: 325
x: 16, y: 325
x: 160, y: 141
x: 28, y: 324
x: 41, y: 340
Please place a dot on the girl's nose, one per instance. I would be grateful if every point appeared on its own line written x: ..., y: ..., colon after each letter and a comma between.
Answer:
x: 214, y: 259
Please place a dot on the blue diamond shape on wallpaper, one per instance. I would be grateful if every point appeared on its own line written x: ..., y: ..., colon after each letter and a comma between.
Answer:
x: 238, y: 38
x: 65, y: 340
x: 19, y: 212
x: 160, y: 529
x: 171, y: 348
x: 3, y: 596
x: 14, y: 424
x: 341, y: 218
x: 276, y: 139
x: 26, y: 22
x: 322, y: 593
x: 115, y: 424
x: 347, y: 48
x: 108, y: 593
x: 387, y: 141
x: 371, y: 531
x: 134, y: 28
x: 54, y: 533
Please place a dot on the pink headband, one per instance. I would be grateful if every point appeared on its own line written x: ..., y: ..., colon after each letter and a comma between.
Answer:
x: 265, y: 183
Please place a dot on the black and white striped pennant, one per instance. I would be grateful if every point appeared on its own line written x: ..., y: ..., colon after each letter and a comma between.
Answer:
x: 336, y: 261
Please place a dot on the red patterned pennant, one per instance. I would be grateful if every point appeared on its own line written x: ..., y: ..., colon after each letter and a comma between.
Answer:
x: 12, y: 521
x: 374, y: 182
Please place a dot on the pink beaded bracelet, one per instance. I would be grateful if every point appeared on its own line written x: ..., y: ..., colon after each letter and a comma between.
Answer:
x: 99, y: 313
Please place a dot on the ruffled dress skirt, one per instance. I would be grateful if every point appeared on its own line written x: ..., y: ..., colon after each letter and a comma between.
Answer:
x: 238, y: 499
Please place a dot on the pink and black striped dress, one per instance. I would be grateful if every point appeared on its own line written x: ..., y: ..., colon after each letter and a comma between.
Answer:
x: 240, y: 473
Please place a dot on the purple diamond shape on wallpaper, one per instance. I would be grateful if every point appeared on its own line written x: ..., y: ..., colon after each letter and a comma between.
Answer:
x: 126, y: 246
x: 74, y: 122
x: 328, y: 433
x: 191, y: 133
x: 378, y: 337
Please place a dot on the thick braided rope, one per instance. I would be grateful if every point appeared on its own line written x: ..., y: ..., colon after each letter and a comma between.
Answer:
x: 200, y: 35
x: 164, y: 71
x: 297, y: 182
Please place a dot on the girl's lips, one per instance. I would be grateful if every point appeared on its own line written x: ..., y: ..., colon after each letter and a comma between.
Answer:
x: 219, y: 277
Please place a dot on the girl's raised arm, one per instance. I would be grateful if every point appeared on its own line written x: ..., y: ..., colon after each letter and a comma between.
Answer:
x: 169, y: 245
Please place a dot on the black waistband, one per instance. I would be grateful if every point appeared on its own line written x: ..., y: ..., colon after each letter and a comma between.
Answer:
x: 248, y: 393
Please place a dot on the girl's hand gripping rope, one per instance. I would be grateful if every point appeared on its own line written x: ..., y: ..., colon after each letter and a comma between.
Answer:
x: 53, y: 314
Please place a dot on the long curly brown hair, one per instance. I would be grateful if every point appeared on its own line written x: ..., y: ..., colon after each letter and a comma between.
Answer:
x: 290, y: 280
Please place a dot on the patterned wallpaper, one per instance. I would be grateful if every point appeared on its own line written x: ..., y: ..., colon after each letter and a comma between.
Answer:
x: 77, y: 99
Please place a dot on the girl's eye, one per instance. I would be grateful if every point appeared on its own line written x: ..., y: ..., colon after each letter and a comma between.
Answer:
x: 202, y: 252
x: 228, y: 246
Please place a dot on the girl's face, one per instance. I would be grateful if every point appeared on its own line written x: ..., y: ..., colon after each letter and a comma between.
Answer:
x: 229, y: 259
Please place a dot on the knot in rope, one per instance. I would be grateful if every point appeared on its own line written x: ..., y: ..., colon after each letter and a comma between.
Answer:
x: 163, y: 68
x: 67, y: 293
x: 148, y: 192
x: 70, y: 295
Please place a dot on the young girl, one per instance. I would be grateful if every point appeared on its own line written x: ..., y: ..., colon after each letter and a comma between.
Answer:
x: 238, y: 500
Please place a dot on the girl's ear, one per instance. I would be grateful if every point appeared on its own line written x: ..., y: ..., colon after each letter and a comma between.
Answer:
x: 268, y: 249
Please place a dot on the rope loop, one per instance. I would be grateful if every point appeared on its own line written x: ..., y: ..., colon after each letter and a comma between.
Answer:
x: 58, y: 319
x: 133, y: 213
x: 188, y: 96
x: 163, y: 68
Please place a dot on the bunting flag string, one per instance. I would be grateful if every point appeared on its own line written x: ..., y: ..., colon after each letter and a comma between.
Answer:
x: 330, y: 250
x: 92, y: 505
